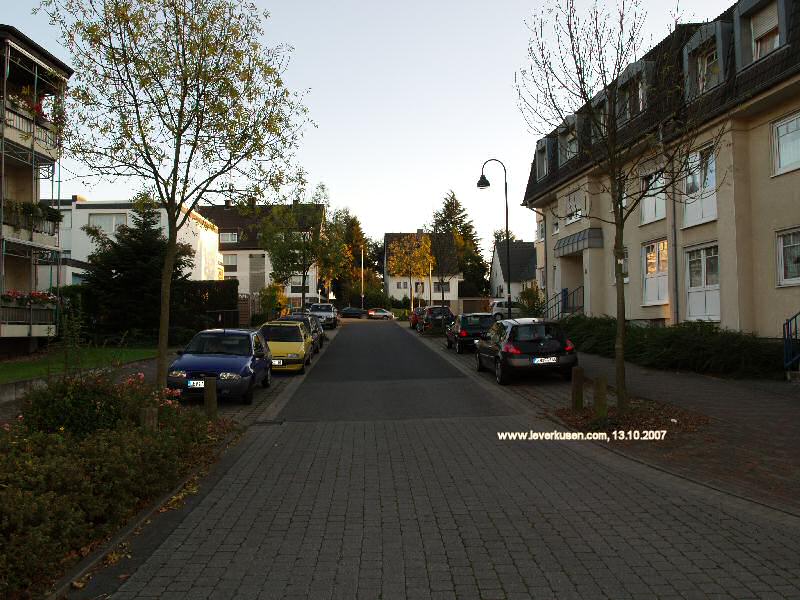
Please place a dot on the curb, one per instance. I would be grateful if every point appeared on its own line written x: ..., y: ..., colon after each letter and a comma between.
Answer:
x: 552, y: 418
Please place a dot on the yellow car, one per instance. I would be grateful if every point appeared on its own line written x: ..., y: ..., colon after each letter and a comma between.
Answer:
x: 290, y: 344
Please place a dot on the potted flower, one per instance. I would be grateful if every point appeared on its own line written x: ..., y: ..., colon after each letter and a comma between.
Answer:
x: 41, y: 298
x: 14, y: 297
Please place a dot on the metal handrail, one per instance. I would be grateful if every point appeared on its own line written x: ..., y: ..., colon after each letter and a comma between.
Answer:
x: 564, y: 303
x: 791, y: 342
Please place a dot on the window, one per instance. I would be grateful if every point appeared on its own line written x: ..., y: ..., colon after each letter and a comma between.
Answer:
x: 555, y: 226
x: 228, y: 237
x: 574, y: 208
x: 230, y: 277
x: 626, y: 278
x: 66, y: 219
x: 702, y: 272
x: 655, y: 282
x: 642, y: 94
x: 654, y: 203
x: 700, y: 204
x: 786, y: 142
x: 569, y: 146
x: 764, y: 27
x: 789, y: 258
x: 540, y: 229
x: 439, y: 287
x: 707, y: 68
x: 623, y: 106
x: 541, y: 161
x: 405, y: 285
x: 419, y: 287
x: 399, y: 285
x: 108, y: 223
x: 297, y: 280
x: 599, y: 121
x: 229, y: 262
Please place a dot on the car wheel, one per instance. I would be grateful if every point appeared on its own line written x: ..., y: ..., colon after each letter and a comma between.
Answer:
x: 500, y: 372
x: 308, y: 360
x: 385, y: 318
x: 478, y: 363
x: 267, y: 381
x: 450, y: 343
x: 248, y: 397
x: 459, y: 349
x: 303, y: 368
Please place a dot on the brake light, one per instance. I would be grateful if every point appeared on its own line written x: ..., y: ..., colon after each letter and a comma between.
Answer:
x: 462, y: 333
x: 569, y: 347
x: 511, y: 349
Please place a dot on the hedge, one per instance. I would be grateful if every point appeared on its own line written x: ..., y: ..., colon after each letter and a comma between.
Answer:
x: 691, y: 346
x: 77, y: 465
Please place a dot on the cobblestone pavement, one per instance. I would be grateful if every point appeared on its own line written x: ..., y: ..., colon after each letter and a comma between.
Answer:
x: 430, y: 507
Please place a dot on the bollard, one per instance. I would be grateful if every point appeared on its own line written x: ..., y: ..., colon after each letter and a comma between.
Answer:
x: 600, y: 404
x: 148, y: 417
x: 210, y: 396
x: 577, y: 388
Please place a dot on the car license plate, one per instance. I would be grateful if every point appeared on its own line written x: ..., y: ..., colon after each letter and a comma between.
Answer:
x: 196, y: 383
x: 545, y: 360
x: 277, y: 363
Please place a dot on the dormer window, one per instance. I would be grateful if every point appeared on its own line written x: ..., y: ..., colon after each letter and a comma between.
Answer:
x: 541, y: 160
x: 707, y: 68
x: 568, y: 145
x: 764, y: 29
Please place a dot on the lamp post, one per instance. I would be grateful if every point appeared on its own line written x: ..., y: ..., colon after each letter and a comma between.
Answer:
x: 362, y: 276
x: 483, y: 183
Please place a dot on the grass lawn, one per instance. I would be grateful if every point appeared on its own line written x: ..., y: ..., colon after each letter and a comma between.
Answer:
x: 53, y: 363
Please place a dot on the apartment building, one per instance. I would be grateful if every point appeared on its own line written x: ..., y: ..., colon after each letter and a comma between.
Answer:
x: 727, y: 251
x: 244, y: 259
x: 76, y: 245
x: 427, y: 289
x: 33, y: 85
x: 523, y: 268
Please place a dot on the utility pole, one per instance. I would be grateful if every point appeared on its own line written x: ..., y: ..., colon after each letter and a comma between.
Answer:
x: 430, y: 284
x: 362, y: 276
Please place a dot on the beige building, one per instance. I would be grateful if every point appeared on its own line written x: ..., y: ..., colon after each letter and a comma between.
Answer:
x: 725, y: 247
x: 33, y: 85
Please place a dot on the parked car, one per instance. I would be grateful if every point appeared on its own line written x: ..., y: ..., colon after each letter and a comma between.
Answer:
x: 438, y: 317
x: 499, y: 309
x: 290, y: 344
x: 326, y: 313
x: 380, y: 313
x: 413, y: 317
x: 312, y: 327
x: 239, y: 359
x: 525, y: 345
x: 467, y: 329
x: 351, y: 312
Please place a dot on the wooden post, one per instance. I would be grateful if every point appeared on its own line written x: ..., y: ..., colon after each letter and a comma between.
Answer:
x: 600, y: 404
x: 210, y: 396
x: 577, y: 388
x: 148, y: 417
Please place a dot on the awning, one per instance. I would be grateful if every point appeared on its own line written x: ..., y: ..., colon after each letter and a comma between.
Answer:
x: 577, y: 242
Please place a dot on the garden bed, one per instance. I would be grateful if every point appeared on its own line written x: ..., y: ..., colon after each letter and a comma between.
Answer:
x: 78, y: 465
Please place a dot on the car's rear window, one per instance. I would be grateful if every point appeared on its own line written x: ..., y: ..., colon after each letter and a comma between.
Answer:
x: 282, y: 333
x: 538, y: 331
x: 322, y: 307
x: 477, y: 321
x: 220, y: 343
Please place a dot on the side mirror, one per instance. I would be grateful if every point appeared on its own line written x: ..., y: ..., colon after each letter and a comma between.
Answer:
x: 259, y: 354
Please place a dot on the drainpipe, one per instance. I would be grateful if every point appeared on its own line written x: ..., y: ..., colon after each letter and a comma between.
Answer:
x: 544, y: 243
x: 676, y: 288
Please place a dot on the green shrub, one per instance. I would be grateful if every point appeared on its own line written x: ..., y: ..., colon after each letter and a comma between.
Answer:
x: 690, y: 346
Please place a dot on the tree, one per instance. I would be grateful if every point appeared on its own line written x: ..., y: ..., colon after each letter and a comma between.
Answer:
x: 444, y: 249
x: 410, y: 256
x: 585, y: 82
x: 533, y: 300
x: 293, y: 235
x: 470, y: 262
x: 124, y: 272
x: 272, y: 300
x: 499, y: 236
x: 181, y: 97
x: 336, y: 258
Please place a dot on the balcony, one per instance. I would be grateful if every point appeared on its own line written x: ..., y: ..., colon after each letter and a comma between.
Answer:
x: 23, y: 128
x: 27, y: 321
x: 31, y: 222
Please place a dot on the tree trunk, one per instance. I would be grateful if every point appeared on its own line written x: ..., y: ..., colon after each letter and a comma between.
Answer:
x: 441, y: 289
x: 619, y: 342
x: 411, y: 291
x: 303, y: 290
x: 166, y: 292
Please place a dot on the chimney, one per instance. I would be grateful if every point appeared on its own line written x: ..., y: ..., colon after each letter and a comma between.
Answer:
x: 227, y: 202
x: 78, y: 198
x: 420, y: 231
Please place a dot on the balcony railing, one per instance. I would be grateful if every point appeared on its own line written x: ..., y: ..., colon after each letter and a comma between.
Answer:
x: 24, y: 315
x: 21, y: 122
x: 30, y: 223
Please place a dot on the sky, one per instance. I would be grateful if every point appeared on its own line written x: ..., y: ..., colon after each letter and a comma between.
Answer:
x: 409, y: 99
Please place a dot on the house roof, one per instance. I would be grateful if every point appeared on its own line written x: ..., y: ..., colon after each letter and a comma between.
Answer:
x: 231, y: 219
x: 8, y: 32
x: 523, y: 260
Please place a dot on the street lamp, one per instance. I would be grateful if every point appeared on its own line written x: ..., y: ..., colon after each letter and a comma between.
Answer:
x: 483, y: 183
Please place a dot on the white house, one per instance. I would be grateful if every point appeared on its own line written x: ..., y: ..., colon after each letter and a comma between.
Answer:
x: 245, y: 260
x: 523, y: 268
x: 200, y: 233
x: 427, y: 290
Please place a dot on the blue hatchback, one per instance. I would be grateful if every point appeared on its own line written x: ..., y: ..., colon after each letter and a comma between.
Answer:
x: 238, y: 359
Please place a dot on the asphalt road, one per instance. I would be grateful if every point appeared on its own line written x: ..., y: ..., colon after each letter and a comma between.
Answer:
x: 383, y: 477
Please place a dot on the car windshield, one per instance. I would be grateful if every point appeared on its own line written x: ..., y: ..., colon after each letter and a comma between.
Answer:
x: 220, y: 343
x: 282, y: 333
x: 322, y: 307
x: 439, y: 311
x: 538, y: 332
x: 483, y: 321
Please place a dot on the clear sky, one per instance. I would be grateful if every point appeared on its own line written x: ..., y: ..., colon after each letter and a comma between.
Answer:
x: 410, y: 99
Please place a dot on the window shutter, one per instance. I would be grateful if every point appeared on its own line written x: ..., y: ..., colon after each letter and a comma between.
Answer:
x: 764, y: 20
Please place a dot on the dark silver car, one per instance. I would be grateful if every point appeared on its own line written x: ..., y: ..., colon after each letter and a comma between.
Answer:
x: 326, y: 313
